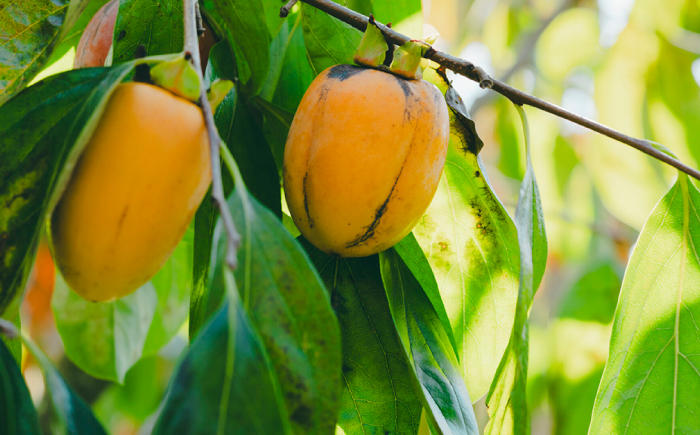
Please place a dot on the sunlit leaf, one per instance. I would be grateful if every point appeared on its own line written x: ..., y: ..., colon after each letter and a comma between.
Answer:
x: 579, y: 352
x: 651, y: 378
x: 628, y: 181
x: 105, y: 339
x: 158, y: 26
x: 444, y: 393
x: 683, y: 106
x: 405, y: 15
x: 71, y: 415
x: 328, y: 40
x: 413, y: 256
x: 594, y: 296
x: 42, y: 132
x: 17, y: 413
x: 471, y: 244
x: 571, y: 40
x: 507, y: 398
x: 29, y: 31
x: 378, y: 395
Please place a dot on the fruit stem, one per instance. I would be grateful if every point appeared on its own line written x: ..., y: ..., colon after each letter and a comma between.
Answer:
x: 192, y: 49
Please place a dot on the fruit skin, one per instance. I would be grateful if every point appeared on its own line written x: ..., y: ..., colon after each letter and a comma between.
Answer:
x: 96, y: 40
x: 132, y: 194
x: 363, y: 159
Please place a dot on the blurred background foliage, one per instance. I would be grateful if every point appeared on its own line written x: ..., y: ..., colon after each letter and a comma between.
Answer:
x: 632, y: 65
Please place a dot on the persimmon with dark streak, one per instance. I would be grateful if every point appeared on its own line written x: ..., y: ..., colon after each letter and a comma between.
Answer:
x: 133, y: 192
x: 363, y: 158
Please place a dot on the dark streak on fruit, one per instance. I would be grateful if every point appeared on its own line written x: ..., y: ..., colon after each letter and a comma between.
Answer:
x: 306, y: 202
x: 404, y: 87
x: 343, y: 72
x: 377, y: 216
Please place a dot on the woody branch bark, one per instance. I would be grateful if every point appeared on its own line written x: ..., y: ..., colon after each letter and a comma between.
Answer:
x: 473, y: 72
x: 190, y: 13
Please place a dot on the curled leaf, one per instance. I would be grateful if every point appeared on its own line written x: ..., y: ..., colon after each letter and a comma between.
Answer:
x: 463, y: 126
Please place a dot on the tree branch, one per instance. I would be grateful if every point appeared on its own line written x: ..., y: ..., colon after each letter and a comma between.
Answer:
x: 192, y: 49
x: 472, y: 72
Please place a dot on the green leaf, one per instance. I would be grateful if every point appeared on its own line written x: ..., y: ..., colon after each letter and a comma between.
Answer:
x: 202, y: 304
x: 378, y: 394
x: 17, y: 413
x: 579, y: 350
x: 275, y: 128
x: 278, y: 51
x: 651, y: 378
x: 215, y: 391
x: 238, y: 125
x: 594, y: 295
x: 244, y: 26
x: 105, y: 339
x: 329, y: 41
x: 42, y: 133
x: 29, y: 31
x: 272, y: 16
x: 405, y: 15
x: 444, y: 393
x: 289, y: 305
x: 72, y: 415
x: 158, y: 26
x: 507, y: 398
x: 471, y: 245
x: 296, y: 74
x: 413, y: 256
x: 14, y: 345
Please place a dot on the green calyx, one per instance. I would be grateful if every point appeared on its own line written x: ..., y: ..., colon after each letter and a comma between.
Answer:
x: 408, y: 58
x: 177, y: 76
x: 407, y: 61
x: 373, y: 47
x: 217, y: 92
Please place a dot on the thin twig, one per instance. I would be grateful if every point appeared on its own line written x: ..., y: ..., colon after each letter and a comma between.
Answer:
x: 192, y: 48
x: 526, y: 51
x: 284, y: 10
x: 473, y: 72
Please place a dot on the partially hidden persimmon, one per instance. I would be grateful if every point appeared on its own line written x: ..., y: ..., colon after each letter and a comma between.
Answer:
x: 363, y: 158
x: 132, y: 193
x: 96, y: 41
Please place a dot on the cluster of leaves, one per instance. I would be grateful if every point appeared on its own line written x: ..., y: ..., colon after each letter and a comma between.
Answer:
x: 296, y: 341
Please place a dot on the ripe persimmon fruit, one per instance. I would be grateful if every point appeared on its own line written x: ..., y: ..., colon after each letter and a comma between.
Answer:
x: 132, y: 193
x: 363, y: 158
